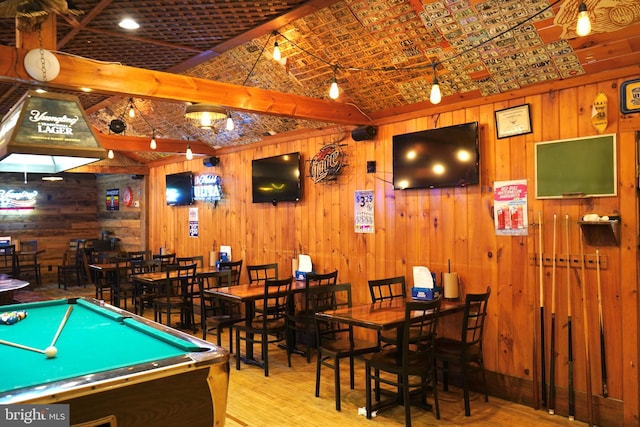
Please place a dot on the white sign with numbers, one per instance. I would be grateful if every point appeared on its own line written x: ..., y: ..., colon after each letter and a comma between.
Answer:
x: 193, y: 222
x: 363, y: 211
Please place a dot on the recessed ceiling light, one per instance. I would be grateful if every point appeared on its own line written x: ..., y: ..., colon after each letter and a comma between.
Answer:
x: 52, y: 178
x: 129, y: 24
x: 86, y: 89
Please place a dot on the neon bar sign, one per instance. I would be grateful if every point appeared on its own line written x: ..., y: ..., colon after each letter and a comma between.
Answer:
x: 17, y: 199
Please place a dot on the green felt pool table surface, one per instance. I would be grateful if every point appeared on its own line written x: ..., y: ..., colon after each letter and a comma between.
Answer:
x: 93, y: 340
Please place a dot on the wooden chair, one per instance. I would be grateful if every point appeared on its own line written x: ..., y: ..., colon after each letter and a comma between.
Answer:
x: 300, y: 324
x: 236, y: 270
x: 335, y: 341
x: 103, y: 280
x: 28, y: 261
x: 384, y: 290
x: 174, y: 296
x: 269, y: 326
x: 217, y: 314
x: 142, y: 294
x: 465, y: 354
x: 9, y: 261
x: 411, y: 359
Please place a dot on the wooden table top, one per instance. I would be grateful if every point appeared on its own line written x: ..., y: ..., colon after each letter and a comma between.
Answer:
x: 382, y: 315
x: 12, y: 284
x: 244, y: 293
x: 157, y: 276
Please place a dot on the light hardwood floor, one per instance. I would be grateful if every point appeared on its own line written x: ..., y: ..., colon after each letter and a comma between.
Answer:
x: 286, y: 398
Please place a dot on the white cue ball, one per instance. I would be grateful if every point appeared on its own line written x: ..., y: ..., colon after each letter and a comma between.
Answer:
x: 50, y: 352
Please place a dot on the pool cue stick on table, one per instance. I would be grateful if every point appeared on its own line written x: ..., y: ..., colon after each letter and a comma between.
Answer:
x: 572, y: 410
x: 23, y: 347
x: 552, y: 355
x: 542, y: 344
x: 52, y: 351
x: 603, y: 354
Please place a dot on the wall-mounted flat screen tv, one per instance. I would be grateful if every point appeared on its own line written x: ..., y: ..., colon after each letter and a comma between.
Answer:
x: 276, y: 179
x: 179, y: 189
x: 435, y: 158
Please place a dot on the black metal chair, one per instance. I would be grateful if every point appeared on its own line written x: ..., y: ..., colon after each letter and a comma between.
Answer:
x: 269, y: 326
x: 9, y: 261
x: 300, y: 324
x: 258, y: 273
x: 197, y: 259
x: 217, y: 314
x: 383, y: 290
x: 236, y: 270
x: 335, y: 341
x: 413, y: 358
x: 28, y: 263
x: 465, y: 354
x: 165, y: 260
x: 174, y: 296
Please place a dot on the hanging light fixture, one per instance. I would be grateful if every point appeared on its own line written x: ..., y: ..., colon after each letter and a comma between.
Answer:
x: 583, y: 27
x: 110, y: 154
x: 436, y: 96
x: 153, y: 145
x: 189, y: 153
x: 276, y: 51
x: 132, y: 111
x: 205, y: 114
x: 334, y: 91
x: 230, y: 124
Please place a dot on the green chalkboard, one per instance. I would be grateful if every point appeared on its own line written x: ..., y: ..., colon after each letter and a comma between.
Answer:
x: 584, y: 167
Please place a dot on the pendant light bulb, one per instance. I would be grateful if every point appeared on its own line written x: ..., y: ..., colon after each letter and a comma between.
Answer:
x: 276, y: 51
x: 436, y: 96
x: 230, y: 124
x: 110, y: 154
x: 189, y: 153
x: 132, y: 112
x: 334, y: 91
x: 153, y: 145
x: 583, y: 27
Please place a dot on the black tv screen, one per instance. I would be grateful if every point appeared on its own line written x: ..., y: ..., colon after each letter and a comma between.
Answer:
x: 276, y: 179
x: 179, y: 189
x: 434, y: 158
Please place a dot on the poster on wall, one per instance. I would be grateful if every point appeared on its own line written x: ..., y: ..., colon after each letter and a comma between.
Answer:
x: 510, y: 208
x: 113, y: 199
x: 363, y: 211
x: 193, y: 222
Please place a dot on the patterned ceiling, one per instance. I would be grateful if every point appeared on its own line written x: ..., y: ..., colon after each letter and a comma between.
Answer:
x: 382, y: 52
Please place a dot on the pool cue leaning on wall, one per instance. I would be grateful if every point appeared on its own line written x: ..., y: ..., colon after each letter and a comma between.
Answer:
x: 552, y: 353
x: 542, y: 344
x: 585, y: 327
x: 603, y: 353
x: 572, y: 408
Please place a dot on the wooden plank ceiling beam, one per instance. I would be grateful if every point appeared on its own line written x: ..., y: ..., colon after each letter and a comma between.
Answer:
x: 115, y: 79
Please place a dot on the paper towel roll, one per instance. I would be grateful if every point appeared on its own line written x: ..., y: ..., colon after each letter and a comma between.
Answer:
x: 451, y: 289
x: 294, y: 266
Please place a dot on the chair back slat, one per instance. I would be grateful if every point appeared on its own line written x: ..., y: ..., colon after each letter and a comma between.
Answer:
x: 258, y: 273
x: 475, y: 313
x: 236, y: 270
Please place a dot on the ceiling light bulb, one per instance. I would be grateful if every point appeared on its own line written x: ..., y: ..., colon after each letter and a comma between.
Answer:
x: 276, y: 51
x: 205, y: 121
x: 132, y: 112
x: 230, y: 124
x: 583, y: 26
x: 110, y: 154
x: 129, y: 24
x: 153, y: 144
x: 189, y: 153
x: 334, y: 92
x: 435, y: 96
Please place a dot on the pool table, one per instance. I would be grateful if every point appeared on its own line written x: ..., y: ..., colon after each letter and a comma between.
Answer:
x: 112, y: 364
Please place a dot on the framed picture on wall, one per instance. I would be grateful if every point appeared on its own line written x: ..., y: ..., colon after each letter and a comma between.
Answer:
x: 513, y: 121
x: 630, y: 96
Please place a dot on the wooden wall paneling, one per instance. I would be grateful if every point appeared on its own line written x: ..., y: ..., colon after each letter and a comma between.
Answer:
x: 405, y: 235
x: 626, y: 302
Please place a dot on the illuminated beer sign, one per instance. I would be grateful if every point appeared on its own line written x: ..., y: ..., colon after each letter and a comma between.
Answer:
x: 17, y: 199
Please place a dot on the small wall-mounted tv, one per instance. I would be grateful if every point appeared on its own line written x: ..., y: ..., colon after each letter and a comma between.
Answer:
x: 435, y: 158
x: 179, y: 189
x: 276, y: 179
